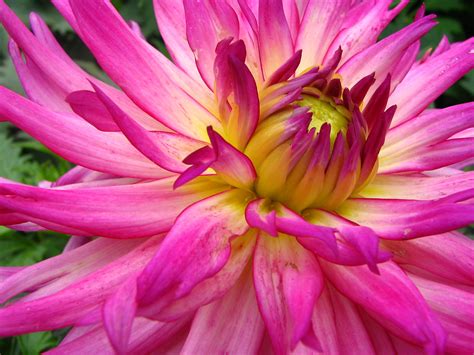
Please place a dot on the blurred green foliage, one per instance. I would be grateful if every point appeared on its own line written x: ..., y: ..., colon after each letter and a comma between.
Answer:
x: 23, y: 159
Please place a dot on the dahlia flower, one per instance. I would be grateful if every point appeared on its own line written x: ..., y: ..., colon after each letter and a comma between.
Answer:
x: 280, y: 186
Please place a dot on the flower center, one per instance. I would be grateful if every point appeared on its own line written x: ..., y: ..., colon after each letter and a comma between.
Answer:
x: 324, y: 110
x: 319, y: 149
x: 312, y: 146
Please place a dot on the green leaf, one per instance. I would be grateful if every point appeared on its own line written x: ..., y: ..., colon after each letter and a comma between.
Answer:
x: 35, y: 343
x: 11, y: 161
x: 8, y: 77
x: 444, y: 5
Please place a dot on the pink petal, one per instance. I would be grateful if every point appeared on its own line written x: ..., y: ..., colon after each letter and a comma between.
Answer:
x: 276, y: 44
x: 247, y: 103
x: 150, y: 80
x: 448, y: 256
x: 379, y: 336
x: 418, y: 187
x: 248, y: 33
x: 391, y: 299
x: 382, y: 56
x: 259, y: 215
x: 64, y: 269
x: 67, y: 306
x: 320, y: 23
x: 128, y: 211
x: 213, y: 288
x: 202, y: 234
x: 6, y: 272
x: 146, y: 337
x: 49, y: 65
x: 172, y: 25
x: 363, y: 25
x: 118, y: 315
x: 414, y: 96
x: 287, y: 281
x: 37, y: 86
x: 233, y: 166
x: 230, y: 325
x: 332, y: 237
x: 76, y: 140
x: 455, y: 310
x: 337, y: 322
x: 167, y: 150
x: 406, y: 219
x: 87, y: 105
x: 208, y: 23
x: 431, y: 127
x: 433, y: 157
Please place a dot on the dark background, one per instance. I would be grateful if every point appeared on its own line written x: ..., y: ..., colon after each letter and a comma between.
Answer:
x: 25, y: 160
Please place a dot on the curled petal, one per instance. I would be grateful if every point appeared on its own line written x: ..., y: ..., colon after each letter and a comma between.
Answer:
x: 169, y: 308
x: 202, y: 233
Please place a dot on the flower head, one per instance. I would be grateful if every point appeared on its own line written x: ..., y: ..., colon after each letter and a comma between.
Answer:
x: 279, y: 186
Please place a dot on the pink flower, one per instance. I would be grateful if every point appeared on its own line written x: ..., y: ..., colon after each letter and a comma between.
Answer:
x: 281, y: 186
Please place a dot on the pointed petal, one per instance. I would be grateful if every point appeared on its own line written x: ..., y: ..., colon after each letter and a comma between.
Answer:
x: 208, y: 23
x: 118, y: 315
x: 127, y: 211
x: 69, y: 305
x: 172, y: 25
x: 443, y: 70
x: 276, y: 44
x: 382, y: 56
x: 213, y: 288
x: 233, y: 166
x: 63, y: 270
x: 448, y: 256
x: 432, y: 127
x: 455, y: 310
x: 167, y: 150
x: 320, y: 23
x: 246, y: 104
x: 440, y: 155
x: 391, y: 299
x: 418, y: 187
x: 87, y: 105
x: 406, y: 219
x: 287, y: 281
x: 146, y: 337
x: 202, y: 233
x: 50, y: 65
x: 37, y: 86
x: 147, y: 77
x: 76, y: 140
x: 359, y: 32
